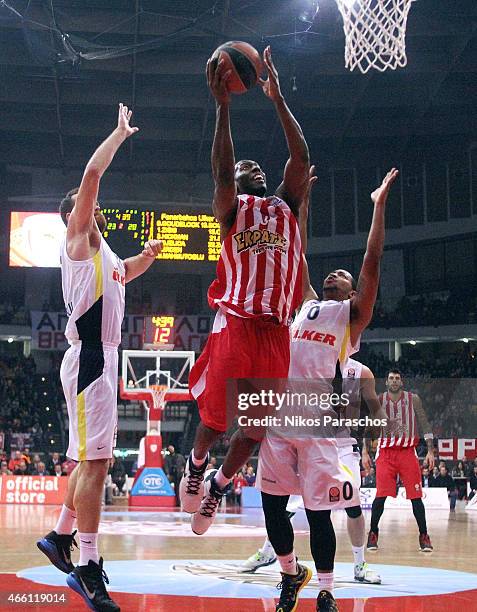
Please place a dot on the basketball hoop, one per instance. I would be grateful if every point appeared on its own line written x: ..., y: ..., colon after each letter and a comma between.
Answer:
x: 158, y: 393
x: 375, y: 33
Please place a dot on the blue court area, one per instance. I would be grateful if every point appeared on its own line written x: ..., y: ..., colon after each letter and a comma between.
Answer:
x: 209, y: 578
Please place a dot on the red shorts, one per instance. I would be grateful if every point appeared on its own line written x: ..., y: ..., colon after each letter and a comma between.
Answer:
x: 398, y: 460
x: 236, y: 348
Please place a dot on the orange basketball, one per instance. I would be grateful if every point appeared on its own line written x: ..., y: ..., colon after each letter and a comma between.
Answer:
x: 244, y: 61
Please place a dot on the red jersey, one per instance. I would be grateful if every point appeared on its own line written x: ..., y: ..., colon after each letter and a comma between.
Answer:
x: 260, y: 266
x: 403, y: 411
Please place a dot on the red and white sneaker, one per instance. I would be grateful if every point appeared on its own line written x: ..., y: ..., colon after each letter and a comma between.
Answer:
x: 425, y: 545
x: 191, y: 488
x: 207, y: 512
x: 372, y: 541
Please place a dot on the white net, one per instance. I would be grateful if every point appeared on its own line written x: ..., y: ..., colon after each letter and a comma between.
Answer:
x: 375, y: 33
x: 158, y: 393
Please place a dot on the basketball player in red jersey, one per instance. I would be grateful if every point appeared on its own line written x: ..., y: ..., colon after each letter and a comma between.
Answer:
x: 397, y: 455
x: 258, y: 287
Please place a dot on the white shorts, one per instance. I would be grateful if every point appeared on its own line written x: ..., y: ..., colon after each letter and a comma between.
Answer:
x: 349, y: 461
x: 309, y: 467
x: 89, y: 377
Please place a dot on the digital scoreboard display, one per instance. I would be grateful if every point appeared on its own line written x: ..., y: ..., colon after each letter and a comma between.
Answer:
x: 159, y: 329
x: 188, y: 235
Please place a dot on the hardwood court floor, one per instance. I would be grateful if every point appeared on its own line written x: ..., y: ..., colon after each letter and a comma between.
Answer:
x: 155, y: 563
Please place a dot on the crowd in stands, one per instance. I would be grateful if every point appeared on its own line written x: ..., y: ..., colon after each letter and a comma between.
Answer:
x: 24, y: 463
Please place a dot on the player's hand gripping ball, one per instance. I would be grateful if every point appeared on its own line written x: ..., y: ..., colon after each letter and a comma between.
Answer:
x: 237, y: 64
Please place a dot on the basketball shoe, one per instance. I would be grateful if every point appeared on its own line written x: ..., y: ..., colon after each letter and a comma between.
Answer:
x: 209, y: 505
x: 89, y: 582
x: 290, y: 588
x: 259, y: 559
x: 191, y: 488
x: 425, y: 543
x: 372, y: 541
x: 362, y: 573
x: 325, y: 602
x: 58, y: 549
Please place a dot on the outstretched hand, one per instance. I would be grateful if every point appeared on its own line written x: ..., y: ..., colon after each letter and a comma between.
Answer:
x: 380, y: 195
x: 152, y: 248
x: 217, y: 77
x: 124, y: 117
x: 271, y: 87
x: 311, y: 181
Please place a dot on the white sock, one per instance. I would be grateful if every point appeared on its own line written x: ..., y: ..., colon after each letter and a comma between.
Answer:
x: 221, y: 480
x: 288, y: 563
x: 267, y: 548
x: 88, y: 545
x: 325, y: 582
x: 197, y: 461
x: 66, y: 520
x: 358, y: 554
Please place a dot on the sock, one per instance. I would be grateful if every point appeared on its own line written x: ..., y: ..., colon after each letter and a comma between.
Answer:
x: 197, y: 461
x: 66, y: 520
x: 358, y: 554
x: 267, y: 548
x: 325, y: 582
x: 288, y: 563
x: 88, y: 545
x: 221, y: 480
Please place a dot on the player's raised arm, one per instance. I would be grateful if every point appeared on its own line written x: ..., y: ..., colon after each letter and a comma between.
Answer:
x: 295, y: 178
x: 81, y: 220
x: 308, y: 292
x: 223, y: 159
x: 362, y: 303
x: 425, y: 428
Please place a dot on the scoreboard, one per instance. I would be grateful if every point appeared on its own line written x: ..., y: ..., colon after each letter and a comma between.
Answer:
x: 188, y: 235
x: 185, y: 236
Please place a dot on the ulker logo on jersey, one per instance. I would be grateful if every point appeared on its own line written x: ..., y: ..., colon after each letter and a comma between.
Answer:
x: 117, y: 276
x: 259, y: 237
x: 334, y: 494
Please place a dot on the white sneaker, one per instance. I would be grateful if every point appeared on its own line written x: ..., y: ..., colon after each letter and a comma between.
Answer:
x: 362, y: 573
x: 259, y: 559
x: 209, y: 505
x: 191, y: 488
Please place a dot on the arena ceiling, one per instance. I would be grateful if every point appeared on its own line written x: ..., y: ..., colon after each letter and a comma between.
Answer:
x: 57, y: 101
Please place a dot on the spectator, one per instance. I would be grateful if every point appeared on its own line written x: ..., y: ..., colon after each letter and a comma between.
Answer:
x: 4, y: 469
x: 40, y: 470
x: 15, y: 461
x: 58, y: 470
x: 472, y: 483
x: 21, y: 469
x: 238, y: 484
x: 459, y: 473
x: 250, y: 476
x: 118, y: 474
x: 174, y: 465
x: 445, y: 480
x: 459, y: 470
x: 35, y: 461
x: 435, y: 474
x: 369, y: 480
x: 55, y: 460
x: 426, y: 478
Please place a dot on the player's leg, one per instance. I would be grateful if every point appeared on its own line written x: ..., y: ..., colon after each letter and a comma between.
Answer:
x: 323, y: 549
x: 386, y: 478
x: 264, y: 556
x: 410, y: 474
x: 58, y: 544
x: 280, y: 532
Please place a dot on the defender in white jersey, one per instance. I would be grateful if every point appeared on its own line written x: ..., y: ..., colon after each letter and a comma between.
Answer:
x: 358, y: 384
x: 324, y: 332
x: 93, y: 279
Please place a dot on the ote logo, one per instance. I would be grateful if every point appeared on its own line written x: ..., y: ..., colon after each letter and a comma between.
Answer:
x: 153, y: 481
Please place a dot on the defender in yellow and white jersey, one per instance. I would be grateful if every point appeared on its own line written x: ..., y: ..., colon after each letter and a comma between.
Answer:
x: 93, y: 279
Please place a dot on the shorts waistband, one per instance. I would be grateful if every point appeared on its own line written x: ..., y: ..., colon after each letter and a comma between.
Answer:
x: 105, y: 346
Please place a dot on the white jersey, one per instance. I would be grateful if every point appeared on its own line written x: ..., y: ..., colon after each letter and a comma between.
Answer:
x: 94, y: 295
x: 319, y: 338
x: 351, y: 373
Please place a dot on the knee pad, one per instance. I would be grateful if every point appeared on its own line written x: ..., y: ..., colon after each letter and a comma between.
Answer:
x: 354, y: 512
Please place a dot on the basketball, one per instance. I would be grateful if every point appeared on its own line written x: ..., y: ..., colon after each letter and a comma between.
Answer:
x: 244, y: 61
